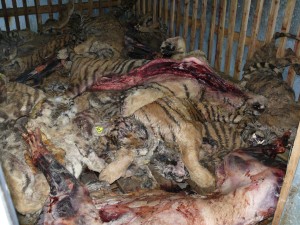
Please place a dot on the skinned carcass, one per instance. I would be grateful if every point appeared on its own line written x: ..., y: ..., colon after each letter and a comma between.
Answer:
x: 248, y: 187
x: 68, y: 202
x: 248, y: 181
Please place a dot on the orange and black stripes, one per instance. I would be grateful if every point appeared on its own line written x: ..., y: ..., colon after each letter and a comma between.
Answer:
x: 85, y: 71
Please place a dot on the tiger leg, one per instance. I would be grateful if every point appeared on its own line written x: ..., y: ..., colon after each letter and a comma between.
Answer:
x: 190, y: 140
x: 118, y: 167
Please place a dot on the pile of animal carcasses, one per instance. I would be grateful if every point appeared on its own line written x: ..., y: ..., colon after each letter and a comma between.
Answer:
x: 98, y: 121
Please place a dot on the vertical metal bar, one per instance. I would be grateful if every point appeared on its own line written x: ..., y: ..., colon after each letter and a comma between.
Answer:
x: 138, y: 7
x: 144, y: 6
x: 100, y: 7
x: 154, y: 11
x: 160, y: 9
x: 59, y: 6
x: 149, y: 5
x: 90, y: 7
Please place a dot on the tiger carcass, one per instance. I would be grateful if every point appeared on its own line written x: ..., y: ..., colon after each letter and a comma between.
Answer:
x: 178, y: 121
x: 263, y: 75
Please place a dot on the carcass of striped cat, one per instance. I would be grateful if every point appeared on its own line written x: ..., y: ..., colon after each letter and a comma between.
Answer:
x: 114, y: 138
x: 17, y: 102
x: 103, y: 36
x: 69, y: 132
x: 85, y: 70
x: 17, y: 99
x: 23, y: 51
x: 246, y: 177
x: 99, y: 37
x: 30, y: 50
x: 263, y: 75
x: 104, y: 82
x: 173, y: 116
x: 28, y: 189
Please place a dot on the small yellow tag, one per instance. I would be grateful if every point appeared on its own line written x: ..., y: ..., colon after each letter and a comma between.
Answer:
x: 99, y: 129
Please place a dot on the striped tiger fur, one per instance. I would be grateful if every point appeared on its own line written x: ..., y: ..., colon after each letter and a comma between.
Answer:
x: 17, y: 36
x: 273, y: 88
x: 19, y: 100
x: 10, y: 41
x: 28, y: 189
x: 102, y: 36
x: 263, y: 75
x: 180, y: 125
x: 86, y: 70
x: 205, y: 110
x: 264, y: 59
x: 170, y: 106
x: 212, y: 110
x: 3, y: 88
x: 36, y: 54
x: 218, y: 138
x: 201, y: 126
x: 263, y: 72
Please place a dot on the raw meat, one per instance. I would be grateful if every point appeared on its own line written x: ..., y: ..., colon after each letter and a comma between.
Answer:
x: 249, y: 183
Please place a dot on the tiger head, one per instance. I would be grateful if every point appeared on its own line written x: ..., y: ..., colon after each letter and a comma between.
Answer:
x: 173, y: 46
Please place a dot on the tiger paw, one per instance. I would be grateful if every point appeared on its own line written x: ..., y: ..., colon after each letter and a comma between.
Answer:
x: 204, y: 180
x: 117, y: 168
